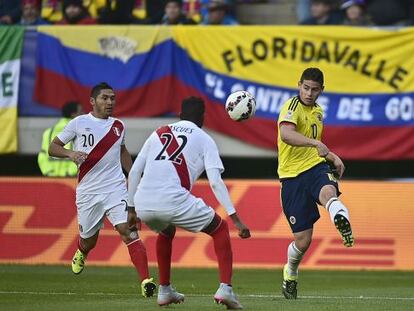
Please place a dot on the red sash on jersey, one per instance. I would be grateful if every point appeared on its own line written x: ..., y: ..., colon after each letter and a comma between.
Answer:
x: 181, y: 168
x: 101, y: 148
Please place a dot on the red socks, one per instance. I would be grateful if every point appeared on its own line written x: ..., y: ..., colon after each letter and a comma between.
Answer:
x: 138, y: 255
x: 222, y: 247
x: 164, y: 250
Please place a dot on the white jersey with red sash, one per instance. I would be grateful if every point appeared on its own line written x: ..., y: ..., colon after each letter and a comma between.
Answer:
x: 101, y: 139
x: 174, y: 156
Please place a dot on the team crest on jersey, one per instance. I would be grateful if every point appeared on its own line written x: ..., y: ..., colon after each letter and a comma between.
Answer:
x: 116, y: 131
x: 288, y: 115
x: 318, y: 116
x: 292, y: 220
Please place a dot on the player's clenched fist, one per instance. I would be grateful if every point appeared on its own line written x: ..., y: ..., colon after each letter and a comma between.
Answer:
x: 244, y: 233
x: 78, y: 157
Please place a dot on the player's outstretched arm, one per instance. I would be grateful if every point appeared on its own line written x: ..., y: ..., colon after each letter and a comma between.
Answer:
x: 290, y: 136
x: 220, y: 191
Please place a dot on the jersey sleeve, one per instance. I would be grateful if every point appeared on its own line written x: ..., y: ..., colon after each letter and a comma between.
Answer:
x: 289, y: 113
x: 211, y: 155
x: 69, y: 132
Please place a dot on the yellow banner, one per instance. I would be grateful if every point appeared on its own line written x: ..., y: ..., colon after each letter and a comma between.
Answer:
x: 355, y: 60
x: 8, y: 140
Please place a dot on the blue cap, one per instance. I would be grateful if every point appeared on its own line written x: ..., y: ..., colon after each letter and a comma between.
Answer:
x: 349, y: 3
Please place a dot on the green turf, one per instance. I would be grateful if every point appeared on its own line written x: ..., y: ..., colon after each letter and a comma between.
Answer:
x: 104, y: 288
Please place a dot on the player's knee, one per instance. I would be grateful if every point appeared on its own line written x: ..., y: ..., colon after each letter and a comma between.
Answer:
x: 127, y: 235
x: 327, y: 192
x: 215, y: 224
x: 169, y: 232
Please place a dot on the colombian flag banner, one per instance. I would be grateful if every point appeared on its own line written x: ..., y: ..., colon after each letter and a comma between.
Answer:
x: 11, y: 40
x: 369, y: 90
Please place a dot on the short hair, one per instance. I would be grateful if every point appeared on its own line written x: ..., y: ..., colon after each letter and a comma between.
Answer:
x: 179, y: 2
x: 96, y: 90
x: 326, y: 2
x: 70, y: 108
x: 192, y: 107
x: 314, y: 74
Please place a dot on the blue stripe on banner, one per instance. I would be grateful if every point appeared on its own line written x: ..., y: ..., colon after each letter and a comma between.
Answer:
x: 340, y: 109
x: 87, y: 68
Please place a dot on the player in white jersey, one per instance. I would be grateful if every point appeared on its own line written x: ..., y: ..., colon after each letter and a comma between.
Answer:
x: 171, y: 160
x: 100, y: 152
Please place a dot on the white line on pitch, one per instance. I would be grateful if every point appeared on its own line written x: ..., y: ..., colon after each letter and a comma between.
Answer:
x: 203, y: 295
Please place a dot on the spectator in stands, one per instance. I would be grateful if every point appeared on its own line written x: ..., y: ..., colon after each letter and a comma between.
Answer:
x: 303, y: 10
x: 56, y: 167
x: 192, y: 9
x: 10, y: 12
x: 52, y: 10
x: 31, y: 13
x: 174, y: 14
x: 75, y: 13
x: 355, y: 13
x: 154, y: 11
x: 390, y: 13
x: 117, y: 12
x: 324, y: 12
x: 218, y: 14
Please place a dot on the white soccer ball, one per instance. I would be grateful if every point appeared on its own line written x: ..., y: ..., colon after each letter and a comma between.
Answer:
x: 240, y: 105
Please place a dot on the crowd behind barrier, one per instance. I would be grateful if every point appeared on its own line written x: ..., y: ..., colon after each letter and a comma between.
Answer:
x: 204, y: 12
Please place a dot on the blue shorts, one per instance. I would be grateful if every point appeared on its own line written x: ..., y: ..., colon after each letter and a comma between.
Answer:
x: 300, y: 196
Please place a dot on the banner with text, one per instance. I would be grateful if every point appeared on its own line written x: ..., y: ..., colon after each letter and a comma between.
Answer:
x: 11, y: 41
x: 42, y: 229
x: 368, y: 99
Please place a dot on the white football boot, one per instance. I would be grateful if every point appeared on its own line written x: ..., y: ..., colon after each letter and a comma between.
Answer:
x: 167, y: 295
x: 225, y: 295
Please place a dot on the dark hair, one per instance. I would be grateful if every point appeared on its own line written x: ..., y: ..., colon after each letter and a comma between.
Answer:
x: 314, y: 74
x: 96, y: 90
x: 326, y: 2
x: 70, y: 108
x: 192, y: 109
x: 179, y: 2
x: 67, y: 3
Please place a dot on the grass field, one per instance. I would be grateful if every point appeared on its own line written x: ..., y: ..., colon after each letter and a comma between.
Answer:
x: 108, y: 288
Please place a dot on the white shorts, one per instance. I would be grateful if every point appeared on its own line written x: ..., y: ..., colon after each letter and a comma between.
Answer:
x: 193, y: 215
x: 93, y: 207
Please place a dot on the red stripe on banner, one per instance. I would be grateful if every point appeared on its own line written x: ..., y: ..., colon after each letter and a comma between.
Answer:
x: 180, y: 164
x: 101, y: 149
x: 54, y: 90
x: 370, y: 142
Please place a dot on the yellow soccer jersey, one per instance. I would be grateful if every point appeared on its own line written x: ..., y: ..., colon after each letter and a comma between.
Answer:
x: 308, y: 120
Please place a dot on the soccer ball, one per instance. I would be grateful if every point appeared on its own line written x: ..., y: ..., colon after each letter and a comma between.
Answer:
x: 240, y: 105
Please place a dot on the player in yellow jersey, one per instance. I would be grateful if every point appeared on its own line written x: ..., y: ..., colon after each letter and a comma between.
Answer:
x: 305, y: 176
